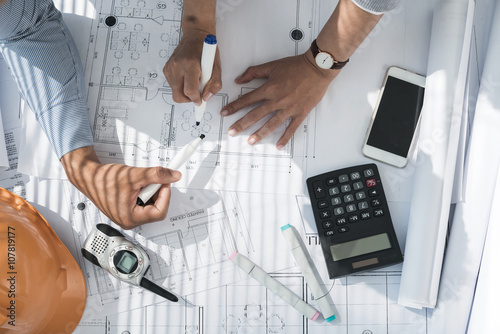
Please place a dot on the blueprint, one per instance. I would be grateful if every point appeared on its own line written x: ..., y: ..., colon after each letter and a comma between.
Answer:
x: 189, y: 255
x: 190, y: 249
x: 366, y: 304
x: 135, y: 120
x: 232, y: 197
x: 10, y: 101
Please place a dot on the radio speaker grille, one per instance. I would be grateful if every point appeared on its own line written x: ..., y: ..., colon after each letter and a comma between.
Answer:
x: 99, y: 244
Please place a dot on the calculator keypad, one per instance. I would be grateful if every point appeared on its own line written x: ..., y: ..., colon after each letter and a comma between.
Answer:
x: 349, y: 204
x: 349, y: 198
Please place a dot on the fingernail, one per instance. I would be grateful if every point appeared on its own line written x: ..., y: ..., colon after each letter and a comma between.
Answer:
x: 279, y: 147
x: 231, y: 132
x: 208, y: 96
x: 224, y: 112
x: 238, y: 78
x: 251, y: 140
x: 197, y: 104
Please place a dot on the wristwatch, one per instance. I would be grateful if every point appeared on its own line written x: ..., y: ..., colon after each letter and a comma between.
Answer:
x: 324, y: 59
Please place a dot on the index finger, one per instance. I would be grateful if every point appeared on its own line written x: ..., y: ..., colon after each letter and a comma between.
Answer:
x: 242, y: 102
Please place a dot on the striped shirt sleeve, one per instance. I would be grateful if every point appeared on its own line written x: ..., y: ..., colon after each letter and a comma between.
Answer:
x: 39, y: 49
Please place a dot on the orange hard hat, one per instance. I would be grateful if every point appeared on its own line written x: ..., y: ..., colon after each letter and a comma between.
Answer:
x: 42, y: 289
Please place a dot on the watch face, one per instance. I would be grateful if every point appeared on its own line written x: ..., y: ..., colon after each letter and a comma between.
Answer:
x: 324, y: 60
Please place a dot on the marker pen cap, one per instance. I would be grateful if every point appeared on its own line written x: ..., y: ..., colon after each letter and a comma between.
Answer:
x: 330, y: 318
x: 284, y: 227
x: 211, y: 39
x: 244, y: 264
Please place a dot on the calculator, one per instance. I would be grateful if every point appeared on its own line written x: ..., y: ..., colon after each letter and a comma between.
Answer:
x: 353, y: 220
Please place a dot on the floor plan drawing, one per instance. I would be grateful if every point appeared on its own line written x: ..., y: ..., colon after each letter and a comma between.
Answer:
x: 134, y: 117
x: 189, y: 251
x: 365, y: 304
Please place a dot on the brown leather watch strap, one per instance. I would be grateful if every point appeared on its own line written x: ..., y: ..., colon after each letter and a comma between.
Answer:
x: 336, y: 64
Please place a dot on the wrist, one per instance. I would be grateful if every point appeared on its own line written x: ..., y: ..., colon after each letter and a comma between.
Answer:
x: 328, y: 74
x: 325, y: 59
x: 79, y: 164
x: 200, y: 21
x: 205, y: 28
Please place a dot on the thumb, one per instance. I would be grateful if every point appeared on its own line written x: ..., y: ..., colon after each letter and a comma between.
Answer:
x: 160, y: 175
x: 212, y: 88
x: 255, y: 72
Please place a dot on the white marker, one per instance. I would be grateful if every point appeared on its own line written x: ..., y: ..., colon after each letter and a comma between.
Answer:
x: 273, y: 285
x: 207, y: 65
x: 177, y: 161
x: 310, y: 272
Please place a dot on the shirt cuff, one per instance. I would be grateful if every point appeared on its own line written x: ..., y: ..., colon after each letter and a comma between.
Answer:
x: 65, y: 127
x: 377, y: 7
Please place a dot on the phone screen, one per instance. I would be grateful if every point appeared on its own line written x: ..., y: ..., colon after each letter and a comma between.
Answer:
x: 397, y: 117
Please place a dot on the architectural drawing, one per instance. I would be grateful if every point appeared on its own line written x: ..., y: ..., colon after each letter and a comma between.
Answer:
x: 134, y: 118
x: 189, y: 251
x: 232, y: 196
x: 10, y: 179
x: 10, y: 111
x: 366, y: 304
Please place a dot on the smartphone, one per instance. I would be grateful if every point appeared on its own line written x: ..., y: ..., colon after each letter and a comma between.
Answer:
x: 391, y: 133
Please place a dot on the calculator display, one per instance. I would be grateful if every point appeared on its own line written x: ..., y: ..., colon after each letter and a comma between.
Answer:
x: 361, y: 246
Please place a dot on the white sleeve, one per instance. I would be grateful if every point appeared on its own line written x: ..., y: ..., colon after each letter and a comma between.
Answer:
x: 377, y: 7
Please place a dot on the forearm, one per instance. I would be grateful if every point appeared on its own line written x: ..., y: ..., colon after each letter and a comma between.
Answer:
x: 80, y: 166
x: 199, y: 14
x: 346, y: 29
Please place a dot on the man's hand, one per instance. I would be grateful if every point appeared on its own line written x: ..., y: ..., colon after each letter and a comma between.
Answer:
x: 114, y: 188
x: 295, y: 84
x: 294, y: 87
x: 183, y: 69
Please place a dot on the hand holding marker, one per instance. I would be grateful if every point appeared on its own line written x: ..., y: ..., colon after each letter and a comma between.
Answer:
x: 177, y: 161
x: 207, y: 65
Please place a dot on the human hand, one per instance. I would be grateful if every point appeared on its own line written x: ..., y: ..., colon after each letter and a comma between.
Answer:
x: 294, y: 86
x: 114, y: 188
x: 183, y: 69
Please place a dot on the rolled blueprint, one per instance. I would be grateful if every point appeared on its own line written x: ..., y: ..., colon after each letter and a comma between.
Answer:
x: 436, y: 154
x: 476, y: 220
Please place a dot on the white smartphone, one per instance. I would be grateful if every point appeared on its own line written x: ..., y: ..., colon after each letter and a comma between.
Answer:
x: 391, y: 133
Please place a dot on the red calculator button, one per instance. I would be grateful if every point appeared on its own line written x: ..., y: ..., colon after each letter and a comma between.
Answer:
x: 371, y: 183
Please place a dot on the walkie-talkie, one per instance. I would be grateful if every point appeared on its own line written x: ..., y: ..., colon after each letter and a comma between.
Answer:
x: 107, y: 248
